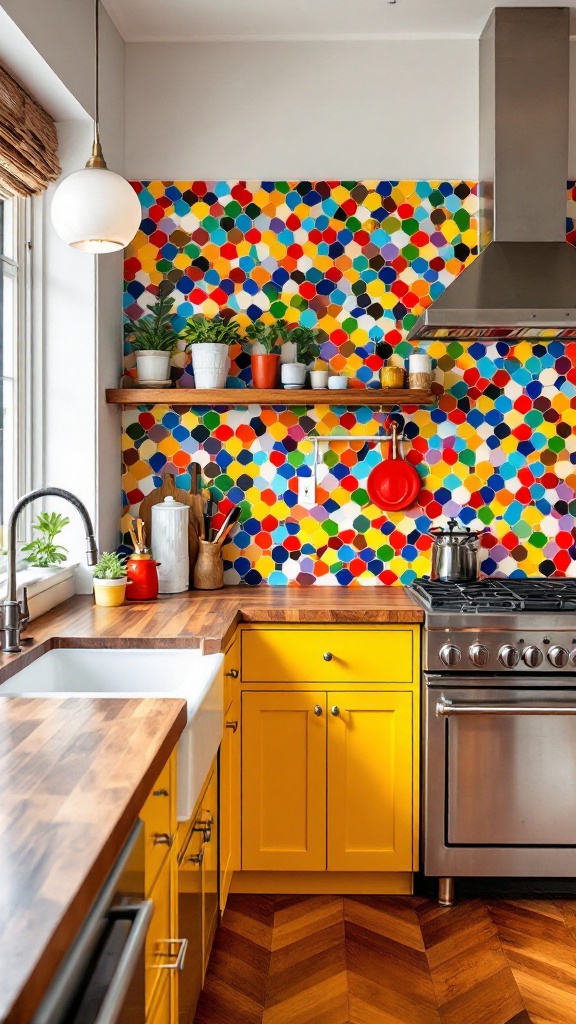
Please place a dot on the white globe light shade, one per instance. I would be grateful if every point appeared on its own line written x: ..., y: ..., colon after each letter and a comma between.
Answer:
x: 96, y: 210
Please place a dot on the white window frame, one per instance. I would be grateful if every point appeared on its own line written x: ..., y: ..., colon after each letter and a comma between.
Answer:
x: 20, y: 268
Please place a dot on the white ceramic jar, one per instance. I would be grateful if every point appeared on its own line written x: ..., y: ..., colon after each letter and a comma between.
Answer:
x: 170, y: 520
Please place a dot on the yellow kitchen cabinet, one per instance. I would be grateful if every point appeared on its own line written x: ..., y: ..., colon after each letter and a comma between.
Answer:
x: 161, y: 1010
x: 209, y: 814
x: 159, y: 818
x: 369, y: 820
x: 229, y: 798
x: 283, y: 781
x: 163, y: 946
x: 198, y: 893
x: 329, y: 758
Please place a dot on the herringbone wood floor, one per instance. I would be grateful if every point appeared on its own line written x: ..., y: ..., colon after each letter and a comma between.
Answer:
x: 391, y: 960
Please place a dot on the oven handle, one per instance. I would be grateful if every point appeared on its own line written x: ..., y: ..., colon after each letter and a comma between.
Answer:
x: 446, y: 708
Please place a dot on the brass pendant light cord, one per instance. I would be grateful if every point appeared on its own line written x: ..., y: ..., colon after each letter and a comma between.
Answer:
x: 97, y: 158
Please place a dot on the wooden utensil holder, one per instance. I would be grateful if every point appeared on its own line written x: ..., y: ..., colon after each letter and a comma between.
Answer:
x: 209, y: 567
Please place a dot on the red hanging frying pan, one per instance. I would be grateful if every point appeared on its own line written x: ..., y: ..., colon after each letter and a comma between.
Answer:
x: 393, y: 484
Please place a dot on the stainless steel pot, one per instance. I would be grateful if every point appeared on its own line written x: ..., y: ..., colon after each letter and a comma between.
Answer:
x: 455, y: 553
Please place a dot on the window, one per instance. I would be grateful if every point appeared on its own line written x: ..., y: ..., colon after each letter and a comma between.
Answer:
x: 13, y: 345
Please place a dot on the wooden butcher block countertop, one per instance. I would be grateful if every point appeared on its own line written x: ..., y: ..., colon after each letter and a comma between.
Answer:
x: 196, y: 619
x: 74, y: 775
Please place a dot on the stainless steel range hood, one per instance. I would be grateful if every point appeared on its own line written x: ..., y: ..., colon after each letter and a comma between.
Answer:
x: 523, y: 283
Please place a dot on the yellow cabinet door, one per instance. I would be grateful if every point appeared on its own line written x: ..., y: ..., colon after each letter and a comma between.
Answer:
x: 209, y: 813
x: 229, y: 798
x: 283, y: 781
x: 369, y: 781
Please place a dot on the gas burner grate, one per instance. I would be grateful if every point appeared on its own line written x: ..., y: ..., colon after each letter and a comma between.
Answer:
x: 496, y: 595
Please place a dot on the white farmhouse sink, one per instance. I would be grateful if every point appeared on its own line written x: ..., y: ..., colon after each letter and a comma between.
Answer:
x: 186, y: 674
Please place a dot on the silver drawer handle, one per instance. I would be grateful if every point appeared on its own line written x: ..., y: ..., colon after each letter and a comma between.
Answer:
x: 327, y: 656
x: 162, y: 839
x: 232, y: 725
x: 233, y: 673
x: 160, y: 792
x: 197, y: 858
x: 446, y: 709
x: 178, y: 964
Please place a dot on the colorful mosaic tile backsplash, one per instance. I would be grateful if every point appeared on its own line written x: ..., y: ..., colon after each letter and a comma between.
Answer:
x: 358, y: 259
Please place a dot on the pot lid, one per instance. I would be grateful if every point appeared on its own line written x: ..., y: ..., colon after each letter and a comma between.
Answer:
x: 454, y: 529
x: 169, y: 503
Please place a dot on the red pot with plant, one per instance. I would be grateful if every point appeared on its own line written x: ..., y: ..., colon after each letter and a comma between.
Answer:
x: 263, y: 343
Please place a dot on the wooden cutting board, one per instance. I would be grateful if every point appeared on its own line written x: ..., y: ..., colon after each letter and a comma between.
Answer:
x: 195, y: 503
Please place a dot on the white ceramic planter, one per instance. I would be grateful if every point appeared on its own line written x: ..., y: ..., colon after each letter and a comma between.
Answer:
x: 153, y: 366
x: 210, y: 363
x: 293, y: 375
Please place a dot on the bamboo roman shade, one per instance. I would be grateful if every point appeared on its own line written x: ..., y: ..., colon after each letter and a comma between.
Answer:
x: 28, y: 141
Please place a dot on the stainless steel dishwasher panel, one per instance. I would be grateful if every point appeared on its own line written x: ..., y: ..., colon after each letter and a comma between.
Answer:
x: 511, y: 776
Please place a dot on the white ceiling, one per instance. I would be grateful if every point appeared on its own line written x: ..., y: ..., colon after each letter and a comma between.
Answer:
x: 223, y: 20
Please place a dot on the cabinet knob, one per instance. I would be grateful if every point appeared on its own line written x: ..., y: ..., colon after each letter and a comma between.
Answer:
x: 335, y: 710
x: 232, y: 725
x: 162, y: 839
x: 197, y: 858
x: 317, y: 710
x: 327, y: 656
x: 160, y: 792
x: 233, y: 673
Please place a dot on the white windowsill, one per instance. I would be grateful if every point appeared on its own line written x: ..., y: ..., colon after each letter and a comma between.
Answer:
x: 46, y: 587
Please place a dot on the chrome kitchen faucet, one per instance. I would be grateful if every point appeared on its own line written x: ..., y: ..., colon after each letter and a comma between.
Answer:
x: 14, y: 615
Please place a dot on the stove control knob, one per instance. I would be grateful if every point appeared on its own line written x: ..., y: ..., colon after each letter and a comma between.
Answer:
x: 478, y: 655
x: 532, y: 656
x: 558, y: 656
x: 508, y: 656
x: 450, y: 655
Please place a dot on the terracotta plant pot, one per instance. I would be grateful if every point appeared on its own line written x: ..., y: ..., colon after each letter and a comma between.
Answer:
x: 265, y: 370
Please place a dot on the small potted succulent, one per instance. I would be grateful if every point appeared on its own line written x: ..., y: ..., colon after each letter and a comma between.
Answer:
x: 209, y: 340
x: 264, y: 341
x: 110, y: 580
x: 42, y: 551
x: 306, y: 349
x: 153, y: 339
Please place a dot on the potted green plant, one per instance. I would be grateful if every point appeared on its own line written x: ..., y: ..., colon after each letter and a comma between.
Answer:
x: 42, y: 551
x: 306, y: 349
x: 266, y: 339
x: 209, y: 340
x: 153, y: 339
x: 110, y: 580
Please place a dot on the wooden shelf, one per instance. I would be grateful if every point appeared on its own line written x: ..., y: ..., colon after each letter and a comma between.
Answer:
x: 382, y: 398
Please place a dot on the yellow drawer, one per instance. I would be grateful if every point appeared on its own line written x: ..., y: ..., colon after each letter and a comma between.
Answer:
x: 158, y: 950
x: 341, y: 655
x: 158, y: 815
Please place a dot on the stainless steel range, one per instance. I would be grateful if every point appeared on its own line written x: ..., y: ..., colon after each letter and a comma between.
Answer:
x: 499, y: 729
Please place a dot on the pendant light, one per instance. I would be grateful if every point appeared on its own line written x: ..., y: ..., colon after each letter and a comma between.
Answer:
x: 95, y: 209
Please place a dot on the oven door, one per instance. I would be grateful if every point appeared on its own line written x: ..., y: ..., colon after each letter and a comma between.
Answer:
x: 500, y: 772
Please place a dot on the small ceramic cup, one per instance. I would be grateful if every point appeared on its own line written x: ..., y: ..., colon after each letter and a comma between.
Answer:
x: 319, y: 378
x: 338, y: 381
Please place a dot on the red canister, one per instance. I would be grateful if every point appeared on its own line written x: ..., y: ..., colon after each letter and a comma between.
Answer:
x: 142, y: 571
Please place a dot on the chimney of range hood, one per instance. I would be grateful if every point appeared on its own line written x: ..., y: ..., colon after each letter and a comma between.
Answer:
x: 523, y: 283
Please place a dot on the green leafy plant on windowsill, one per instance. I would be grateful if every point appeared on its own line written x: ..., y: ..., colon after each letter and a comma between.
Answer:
x: 110, y: 566
x: 42, y: 551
